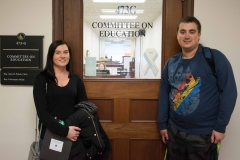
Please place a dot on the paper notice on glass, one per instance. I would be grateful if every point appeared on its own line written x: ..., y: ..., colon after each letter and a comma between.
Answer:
x: 56, y: 145
x: 90, y: 66
x: 127, y: 61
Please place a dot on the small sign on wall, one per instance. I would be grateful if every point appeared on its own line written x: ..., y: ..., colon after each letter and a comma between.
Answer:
x: 21, y: 58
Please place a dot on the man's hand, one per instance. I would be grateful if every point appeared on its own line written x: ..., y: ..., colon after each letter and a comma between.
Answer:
x: 164, y: 135
x: 217, y: 137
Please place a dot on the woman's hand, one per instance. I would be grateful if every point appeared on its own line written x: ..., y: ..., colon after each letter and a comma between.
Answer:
x: 73, y: 133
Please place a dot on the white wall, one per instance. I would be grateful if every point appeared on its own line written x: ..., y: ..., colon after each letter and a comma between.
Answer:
x: 221, y: 30
x: 17, y: 110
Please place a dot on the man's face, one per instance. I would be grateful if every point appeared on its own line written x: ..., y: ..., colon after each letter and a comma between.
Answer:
x: 188, y: 36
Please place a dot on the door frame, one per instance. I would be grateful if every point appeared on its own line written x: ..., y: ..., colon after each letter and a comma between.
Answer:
x: 68, y: 25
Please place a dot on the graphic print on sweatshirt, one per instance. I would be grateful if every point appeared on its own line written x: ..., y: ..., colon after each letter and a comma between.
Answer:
x: 185, y: 91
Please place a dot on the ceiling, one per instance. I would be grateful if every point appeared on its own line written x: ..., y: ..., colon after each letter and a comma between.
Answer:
x: 92, y: 11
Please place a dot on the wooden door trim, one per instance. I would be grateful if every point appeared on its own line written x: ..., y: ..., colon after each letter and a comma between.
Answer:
x: 188, y: 8
x: 168, y: 27
x: 73, y: 32
x: 170, y: 23
x: 57, y: 16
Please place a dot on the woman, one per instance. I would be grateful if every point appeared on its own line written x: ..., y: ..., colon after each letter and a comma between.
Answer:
x: 56, y: 90
x: 101, y: 66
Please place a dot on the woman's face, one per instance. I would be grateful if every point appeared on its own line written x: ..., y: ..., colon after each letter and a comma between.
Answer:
x: 61, y: 56
x: 101, y: 67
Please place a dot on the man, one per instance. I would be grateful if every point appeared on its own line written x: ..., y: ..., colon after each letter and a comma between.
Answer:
x: 194, y: 105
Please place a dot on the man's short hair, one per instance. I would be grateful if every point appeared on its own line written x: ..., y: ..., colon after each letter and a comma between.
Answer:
x: 190, y: 19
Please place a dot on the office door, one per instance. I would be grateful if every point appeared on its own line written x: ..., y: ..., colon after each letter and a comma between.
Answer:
x: 127, y: 107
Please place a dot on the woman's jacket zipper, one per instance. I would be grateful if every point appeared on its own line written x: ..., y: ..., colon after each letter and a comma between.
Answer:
x: 91, y: 116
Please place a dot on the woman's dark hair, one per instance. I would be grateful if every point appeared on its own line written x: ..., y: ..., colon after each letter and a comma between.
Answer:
x: 190, y: 19
x: 48, y: 70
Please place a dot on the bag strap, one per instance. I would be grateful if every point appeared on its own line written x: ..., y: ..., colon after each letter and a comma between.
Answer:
x: 210, y: 60
x: 36, y: 130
